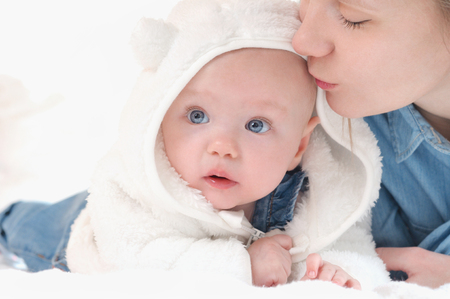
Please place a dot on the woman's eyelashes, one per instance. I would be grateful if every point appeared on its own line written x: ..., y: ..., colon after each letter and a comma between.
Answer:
x: 353, y: 25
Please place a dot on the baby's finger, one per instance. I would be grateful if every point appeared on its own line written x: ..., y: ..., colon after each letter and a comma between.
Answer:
x: 284, y: 240
x: 327, y: 272
x: 313, y: 263
x: 287, y: 262
x: 340, y: 277
x: 353, y: 283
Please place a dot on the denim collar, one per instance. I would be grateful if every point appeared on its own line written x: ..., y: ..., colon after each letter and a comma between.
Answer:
x: 409, y: 129
x: 277, y: 208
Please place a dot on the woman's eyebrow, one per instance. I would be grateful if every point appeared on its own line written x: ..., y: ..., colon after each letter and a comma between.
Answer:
x: 362, y: 4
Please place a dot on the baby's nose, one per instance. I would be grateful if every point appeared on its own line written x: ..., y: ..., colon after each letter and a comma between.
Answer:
x: 223, y: 147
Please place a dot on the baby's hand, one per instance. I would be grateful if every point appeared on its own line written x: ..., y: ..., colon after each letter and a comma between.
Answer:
x: 316, y: 268
x: 271, y: 260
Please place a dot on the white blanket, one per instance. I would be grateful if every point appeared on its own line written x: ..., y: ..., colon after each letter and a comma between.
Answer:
x: 160, y: 284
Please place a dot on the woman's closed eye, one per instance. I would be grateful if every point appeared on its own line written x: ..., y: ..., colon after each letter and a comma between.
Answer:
x: 197, y: 116
x: 352, y: 25
x: 258, y: 126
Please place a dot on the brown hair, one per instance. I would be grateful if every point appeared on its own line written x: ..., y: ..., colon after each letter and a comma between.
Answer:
x: 444, y: 5
x: 349, y: 124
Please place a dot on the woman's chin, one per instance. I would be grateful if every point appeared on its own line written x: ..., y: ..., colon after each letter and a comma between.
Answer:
x: 346, y: 107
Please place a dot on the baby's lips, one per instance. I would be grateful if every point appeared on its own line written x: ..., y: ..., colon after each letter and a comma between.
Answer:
x: 219, y: 182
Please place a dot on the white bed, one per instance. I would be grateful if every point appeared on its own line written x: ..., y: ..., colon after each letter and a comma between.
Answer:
x: 154, y: 284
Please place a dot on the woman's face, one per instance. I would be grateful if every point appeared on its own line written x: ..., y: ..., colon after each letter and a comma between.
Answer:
x: 374, y: 56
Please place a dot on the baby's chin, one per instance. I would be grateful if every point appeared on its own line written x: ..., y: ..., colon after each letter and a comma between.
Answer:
x: 222, y: 203
x: 230, y: 199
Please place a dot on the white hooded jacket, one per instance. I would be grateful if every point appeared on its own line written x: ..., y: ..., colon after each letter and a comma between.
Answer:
x: 141, y: 214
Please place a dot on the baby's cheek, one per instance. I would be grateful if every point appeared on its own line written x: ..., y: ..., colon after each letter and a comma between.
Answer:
x: 267, y: 182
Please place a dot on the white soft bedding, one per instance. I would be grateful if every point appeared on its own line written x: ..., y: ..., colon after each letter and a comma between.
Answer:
x: 158, y: 284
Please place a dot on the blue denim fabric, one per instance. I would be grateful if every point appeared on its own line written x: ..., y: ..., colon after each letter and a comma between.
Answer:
x: 39, y: 232
x: 414, y: 204
x: 277, y: 208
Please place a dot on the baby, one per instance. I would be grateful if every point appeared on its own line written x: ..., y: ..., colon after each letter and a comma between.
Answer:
x: 234, y: 131
x: 205, y: 174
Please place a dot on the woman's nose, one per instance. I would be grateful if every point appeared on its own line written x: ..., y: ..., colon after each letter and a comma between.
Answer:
x: 314, y: 37
x: 223, y: 147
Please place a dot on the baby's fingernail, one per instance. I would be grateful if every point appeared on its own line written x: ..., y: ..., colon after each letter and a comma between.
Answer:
x: 312, y: 274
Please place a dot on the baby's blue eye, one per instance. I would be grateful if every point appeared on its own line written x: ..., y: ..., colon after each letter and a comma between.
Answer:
x: 197, y: 117
x: 257, y: 126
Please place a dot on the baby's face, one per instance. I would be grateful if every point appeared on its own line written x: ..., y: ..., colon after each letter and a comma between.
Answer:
x: 236, y: 128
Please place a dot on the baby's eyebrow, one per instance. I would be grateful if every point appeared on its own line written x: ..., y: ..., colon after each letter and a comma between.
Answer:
x: 191, y: 91
x: 271, y: 104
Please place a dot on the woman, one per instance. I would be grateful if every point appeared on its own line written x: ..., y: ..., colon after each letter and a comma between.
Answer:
x: 389, y: 61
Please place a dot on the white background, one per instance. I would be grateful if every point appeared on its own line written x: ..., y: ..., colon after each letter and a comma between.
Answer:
x: 74, y: 59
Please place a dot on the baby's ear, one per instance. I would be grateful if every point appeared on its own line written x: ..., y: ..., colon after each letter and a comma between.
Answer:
x: 312, y: 123
x: 151, y: 40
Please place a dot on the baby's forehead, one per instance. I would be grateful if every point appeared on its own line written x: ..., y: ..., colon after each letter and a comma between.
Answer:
x: 262, y: 54
x: 253, y: 74
x: 266, y: 64
x: 272, y: 78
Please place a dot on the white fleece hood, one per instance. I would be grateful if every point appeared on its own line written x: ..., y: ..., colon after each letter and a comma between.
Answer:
x: 140, y: 213
x: 172, y: 52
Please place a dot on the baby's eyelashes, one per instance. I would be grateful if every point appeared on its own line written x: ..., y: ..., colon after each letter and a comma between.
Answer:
x: 197, y: 116
x: 258, y: 126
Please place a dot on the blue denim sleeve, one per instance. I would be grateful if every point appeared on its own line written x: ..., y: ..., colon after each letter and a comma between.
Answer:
x: 389, y: 226
x: 38, y: 232
x: 438, y: 240
x: 393, y: 229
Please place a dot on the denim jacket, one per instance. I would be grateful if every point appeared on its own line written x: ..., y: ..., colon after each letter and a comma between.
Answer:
x: 414, y: 204
x: 277, y: 208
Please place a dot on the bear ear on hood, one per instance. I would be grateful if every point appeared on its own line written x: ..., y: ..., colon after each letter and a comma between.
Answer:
x: 151, y: 41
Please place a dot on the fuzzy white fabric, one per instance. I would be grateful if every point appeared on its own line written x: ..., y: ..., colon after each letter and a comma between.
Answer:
x: 146, y: 233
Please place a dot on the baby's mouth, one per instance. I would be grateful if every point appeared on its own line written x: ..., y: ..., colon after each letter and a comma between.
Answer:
x: 219, y: 182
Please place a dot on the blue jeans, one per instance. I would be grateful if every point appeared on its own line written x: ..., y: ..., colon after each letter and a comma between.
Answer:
x: 39, y: 232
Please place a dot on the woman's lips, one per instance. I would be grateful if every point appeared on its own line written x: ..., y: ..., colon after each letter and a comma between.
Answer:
x: 219, y: 182
x: 325, y: 85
